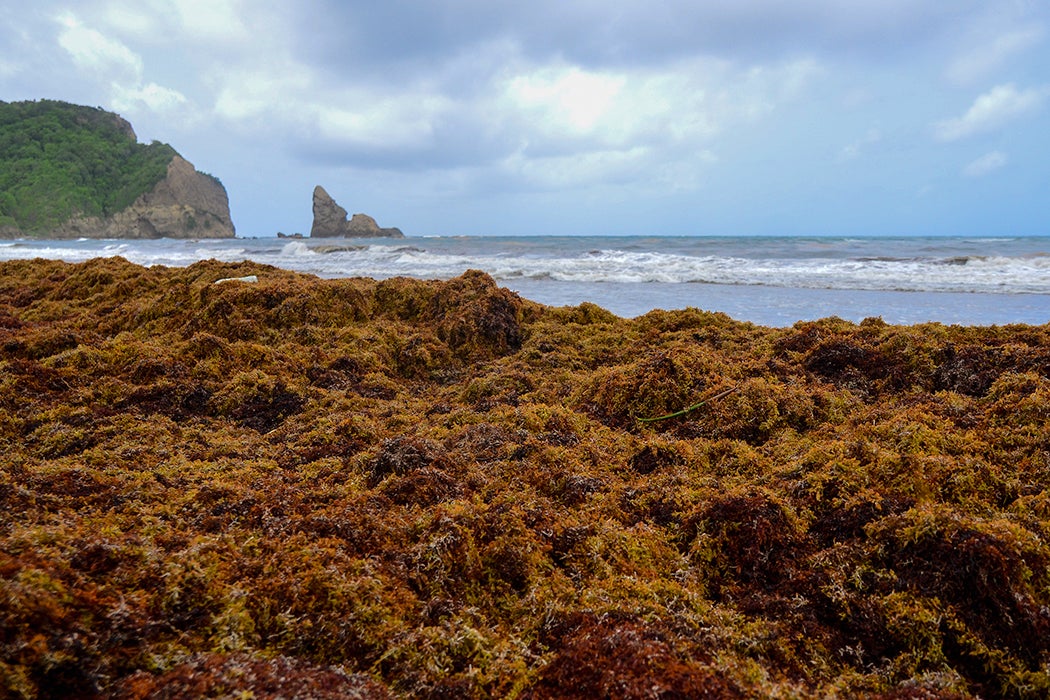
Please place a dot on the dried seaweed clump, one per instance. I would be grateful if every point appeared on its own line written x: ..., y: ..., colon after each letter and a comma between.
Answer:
x: 297, y: 487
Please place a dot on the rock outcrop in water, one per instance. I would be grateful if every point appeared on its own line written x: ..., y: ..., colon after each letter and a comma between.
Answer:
x: 330, y: 221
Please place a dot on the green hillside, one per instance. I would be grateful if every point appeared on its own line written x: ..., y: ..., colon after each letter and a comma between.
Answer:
x: 58, y: 160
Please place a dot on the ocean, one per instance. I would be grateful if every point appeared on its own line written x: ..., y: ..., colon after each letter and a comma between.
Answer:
x: 771, y: 281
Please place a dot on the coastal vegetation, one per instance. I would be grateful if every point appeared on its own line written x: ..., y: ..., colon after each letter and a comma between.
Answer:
x: 284, y: 486
x: 59, y: 160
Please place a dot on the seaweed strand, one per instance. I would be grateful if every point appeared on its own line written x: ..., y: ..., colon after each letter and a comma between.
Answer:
x: 692, y: 408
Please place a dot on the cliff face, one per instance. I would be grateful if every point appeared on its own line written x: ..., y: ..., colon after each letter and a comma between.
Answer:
x: 185, y: 204
x: 330, y: 221
x: 70, y: 171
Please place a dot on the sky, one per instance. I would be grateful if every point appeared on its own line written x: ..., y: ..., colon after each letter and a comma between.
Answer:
x: 567, y: 117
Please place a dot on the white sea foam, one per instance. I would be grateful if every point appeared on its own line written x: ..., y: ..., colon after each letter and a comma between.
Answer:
x: 992, y: 265
x: 296, y: 249
x: 988, y: 275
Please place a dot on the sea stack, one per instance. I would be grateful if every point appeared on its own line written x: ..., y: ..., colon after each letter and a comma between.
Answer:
x: 330, y: 221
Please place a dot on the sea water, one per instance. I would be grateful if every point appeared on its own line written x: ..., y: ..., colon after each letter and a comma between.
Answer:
x: 772, y: 281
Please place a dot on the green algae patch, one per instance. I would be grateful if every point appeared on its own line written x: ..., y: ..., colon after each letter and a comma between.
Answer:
x: 350, y: 488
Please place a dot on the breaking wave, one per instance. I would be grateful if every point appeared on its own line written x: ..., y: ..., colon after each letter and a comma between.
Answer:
x: 1003, y: 266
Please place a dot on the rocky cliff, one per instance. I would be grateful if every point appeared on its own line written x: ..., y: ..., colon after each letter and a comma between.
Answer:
x: 69, y: 171
x: 330, y: 221
x: 185, y: 204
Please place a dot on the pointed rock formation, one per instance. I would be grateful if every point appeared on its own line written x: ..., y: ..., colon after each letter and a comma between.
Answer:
x: 330, y: 221
x: 329, y: 217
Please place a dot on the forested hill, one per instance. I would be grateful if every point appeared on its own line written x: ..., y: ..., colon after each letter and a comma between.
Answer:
x: 59, y: 161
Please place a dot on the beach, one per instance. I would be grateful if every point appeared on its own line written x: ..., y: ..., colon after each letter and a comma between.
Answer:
x: 224, y: 478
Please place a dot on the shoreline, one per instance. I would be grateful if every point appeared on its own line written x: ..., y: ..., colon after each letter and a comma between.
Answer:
x: 1002, y: 282
x: 782, y: 307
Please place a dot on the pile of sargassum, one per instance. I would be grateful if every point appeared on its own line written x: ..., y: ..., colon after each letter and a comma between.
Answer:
x: 293, y: 487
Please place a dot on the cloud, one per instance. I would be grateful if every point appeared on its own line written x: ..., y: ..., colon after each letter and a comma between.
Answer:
x: 855, y: 149
x: 382, y: 122
x: 493, y: 106
x: 152, y: 96
x: 96, y: 53
x: 980, y: 61
x: 214, y: 20
x: 271, y: 90
x: 557, y: 172
x: 990, y: 111
x: 615, y: 33
x: 132, y: 20
x: 654, y: 126
x: 115, y: 65
x: 987, y: 163
x: 348, y: 119
x: 220, y: 24
x: 566, y: 98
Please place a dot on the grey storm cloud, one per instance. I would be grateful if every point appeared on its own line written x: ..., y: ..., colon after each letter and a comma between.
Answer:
x: 596, y: 33
x: 462, y: 50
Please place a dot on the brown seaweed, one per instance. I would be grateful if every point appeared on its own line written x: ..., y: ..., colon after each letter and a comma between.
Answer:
x: 350, y: 488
